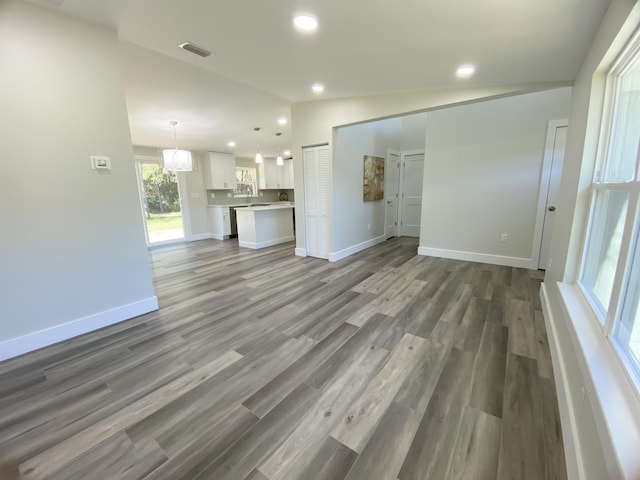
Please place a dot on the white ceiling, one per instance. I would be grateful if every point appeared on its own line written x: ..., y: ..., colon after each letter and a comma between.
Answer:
x: 261, y: 64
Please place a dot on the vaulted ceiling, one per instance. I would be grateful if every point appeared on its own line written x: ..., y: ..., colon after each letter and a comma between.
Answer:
x: 260, y: 64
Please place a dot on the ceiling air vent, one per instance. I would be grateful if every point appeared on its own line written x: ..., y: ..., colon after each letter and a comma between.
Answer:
x: 193, y: 48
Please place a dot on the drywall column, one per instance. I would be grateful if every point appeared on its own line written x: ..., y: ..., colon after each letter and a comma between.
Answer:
x: 73, y: 251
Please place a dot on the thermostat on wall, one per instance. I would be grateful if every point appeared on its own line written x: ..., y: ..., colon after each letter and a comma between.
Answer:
x: 101, y: 163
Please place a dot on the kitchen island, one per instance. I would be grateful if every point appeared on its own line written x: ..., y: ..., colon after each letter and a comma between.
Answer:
x: 264, y: 226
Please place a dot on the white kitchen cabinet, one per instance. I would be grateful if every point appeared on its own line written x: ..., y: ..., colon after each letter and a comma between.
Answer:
x: 220, y: 171
x: 268, y: 175
x: 273, y: 176
x: 220, y: 222
x: 287, y: 175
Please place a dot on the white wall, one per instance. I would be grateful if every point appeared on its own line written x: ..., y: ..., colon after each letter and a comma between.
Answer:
x: 73, y: 255
x: 414, y: 131
x: 312, y: 123
x: 593, y: 442
x: 354, y: 220
x: 482, y: 173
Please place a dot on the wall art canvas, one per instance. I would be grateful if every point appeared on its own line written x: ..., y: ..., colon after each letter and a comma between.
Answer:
x: 373, y: 178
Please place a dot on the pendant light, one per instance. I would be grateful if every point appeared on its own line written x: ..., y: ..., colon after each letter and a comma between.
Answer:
x: 279, y: 159
x: 258, y: 153
x: 176, y: 160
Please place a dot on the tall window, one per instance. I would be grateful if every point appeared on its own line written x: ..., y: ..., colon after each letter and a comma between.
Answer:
x: 610, y: 275
x: 245, y: 182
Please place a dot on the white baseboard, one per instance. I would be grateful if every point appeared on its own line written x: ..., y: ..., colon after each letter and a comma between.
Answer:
x: 301, y: 252
x: 267, y: 243
x: 217, y: 236
x: 43, y: 338
x: 570, y: 437
x: 477, y: 257
x: 340, y: 254
x: 201, y: 236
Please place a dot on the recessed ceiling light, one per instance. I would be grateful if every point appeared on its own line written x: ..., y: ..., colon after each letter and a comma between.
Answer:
x: 465, y: 71
x: 305, y: 22
x: 231, y: 144
x: 282, y: 121
x: 286, y: 153
x: 317, y: 88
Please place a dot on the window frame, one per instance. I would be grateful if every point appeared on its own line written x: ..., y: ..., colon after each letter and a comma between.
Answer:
x: 254, y: 183
x: 607, y: 318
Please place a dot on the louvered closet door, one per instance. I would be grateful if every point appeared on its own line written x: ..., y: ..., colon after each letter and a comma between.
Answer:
x: 316, y: 200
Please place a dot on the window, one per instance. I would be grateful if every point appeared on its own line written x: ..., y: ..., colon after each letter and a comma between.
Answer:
x: 610, y: 275
x: 245, y: 182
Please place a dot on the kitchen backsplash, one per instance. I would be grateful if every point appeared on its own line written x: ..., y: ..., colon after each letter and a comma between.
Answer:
x: 221, y: 197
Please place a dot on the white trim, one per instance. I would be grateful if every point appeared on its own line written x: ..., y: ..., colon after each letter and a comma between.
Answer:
x: 219, y: 236
x: 148, y: 158
x: 301, y: 252
x: 266, y: 243
x: 391, y: 151
x: 477, y: 257
x: 181, y: 180
x: 570, y: 436
x: 612, y: 396
x: 58, y: 333
x: 543, y: 193
x: 201, y: 236
x: 340, y: 254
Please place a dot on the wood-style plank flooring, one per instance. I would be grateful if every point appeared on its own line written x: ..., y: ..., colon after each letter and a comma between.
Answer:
x: 263, y: 365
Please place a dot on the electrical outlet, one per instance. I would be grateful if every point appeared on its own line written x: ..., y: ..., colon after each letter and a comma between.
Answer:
x: 213, y: 195
x: 229, y: 194
x: 261, y: 194
x: 504, y: 237
x: 368, y: 226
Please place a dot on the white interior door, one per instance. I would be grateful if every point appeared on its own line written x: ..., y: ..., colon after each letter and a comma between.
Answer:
x: 391, y: 188
x: 552, y: 195
x: 316, y: 200
x: 411, y: 198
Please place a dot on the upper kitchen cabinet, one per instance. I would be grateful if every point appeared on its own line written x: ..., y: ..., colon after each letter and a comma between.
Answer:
x: 272, y: 176
x: 287, y: 174
x: 220, y: 171
x: 268, y: 175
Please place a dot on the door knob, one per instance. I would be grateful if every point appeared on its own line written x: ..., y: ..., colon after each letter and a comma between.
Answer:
x: 552, y: 208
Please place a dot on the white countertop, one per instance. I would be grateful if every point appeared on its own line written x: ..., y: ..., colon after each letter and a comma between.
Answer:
x: 275, y: 206
x: 251, y: 206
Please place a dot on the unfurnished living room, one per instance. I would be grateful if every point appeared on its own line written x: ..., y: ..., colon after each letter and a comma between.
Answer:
x: 320, y: 240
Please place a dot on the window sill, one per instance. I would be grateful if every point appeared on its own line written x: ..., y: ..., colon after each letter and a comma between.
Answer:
x: 615, y: 401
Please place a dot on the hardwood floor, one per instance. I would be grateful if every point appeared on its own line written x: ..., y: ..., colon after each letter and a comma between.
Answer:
x: 262, y: 365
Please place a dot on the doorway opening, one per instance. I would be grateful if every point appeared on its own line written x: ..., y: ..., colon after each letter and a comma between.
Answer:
x: 161, y: 206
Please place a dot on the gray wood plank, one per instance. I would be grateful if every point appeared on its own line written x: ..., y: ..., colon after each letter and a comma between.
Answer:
x: 477, y: 447
x: 555, y: 464
x: 522, y: 442
x: 489, y: 376
x: 293, y: 456
x: 433, y: 445
x: 332, y: 462
x: 277, y: 389
x: 362, y: 417
x: 522, y: 340
x: 125, y: 460
x: 388, y: 446
x: 261, y: 440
